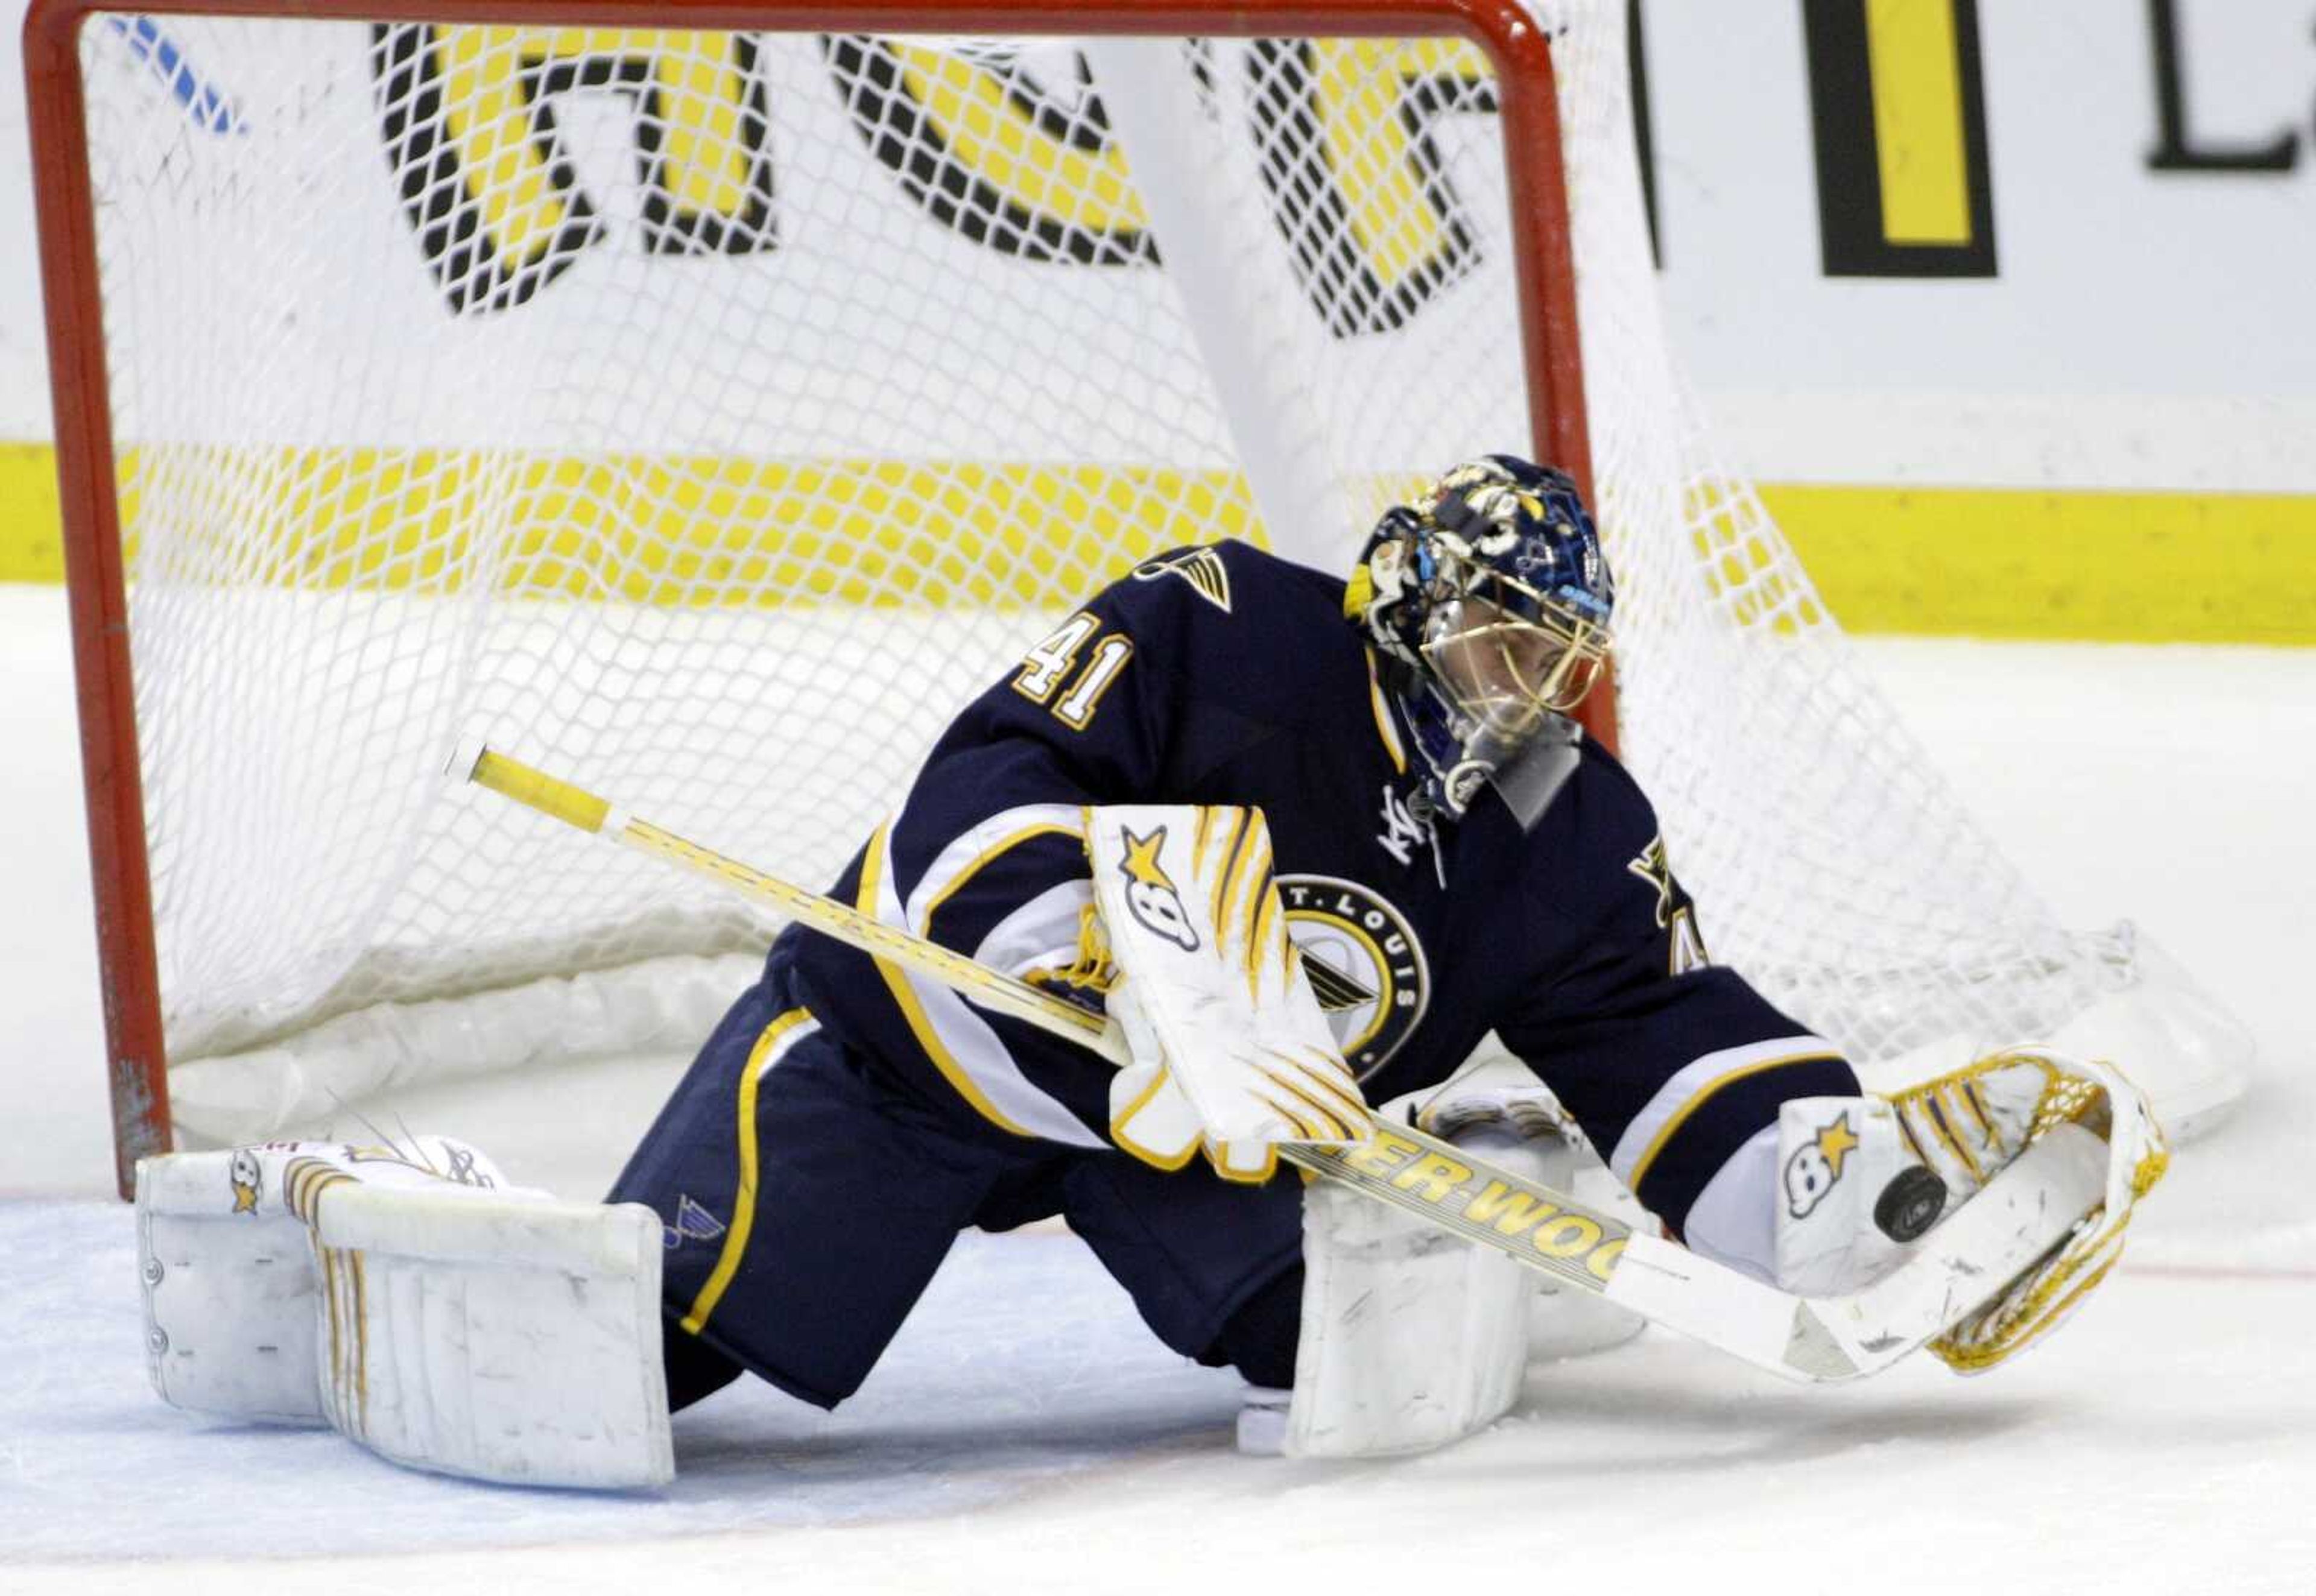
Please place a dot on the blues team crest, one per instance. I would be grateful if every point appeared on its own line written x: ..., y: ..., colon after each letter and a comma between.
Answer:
x: 692, y: 1222
x: 1202, y: 568
x: 1365, y: 965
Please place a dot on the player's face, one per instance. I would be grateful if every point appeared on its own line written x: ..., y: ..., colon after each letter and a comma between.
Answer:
x: 1506, y: 671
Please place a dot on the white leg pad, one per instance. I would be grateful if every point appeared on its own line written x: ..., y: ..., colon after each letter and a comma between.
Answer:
x: 464, y: 1329
x: 230, y: 1291
x: 497, y: 1339
x: 1522, y: 1126
x: 1564, y: 1321
x: 1411, y: 1338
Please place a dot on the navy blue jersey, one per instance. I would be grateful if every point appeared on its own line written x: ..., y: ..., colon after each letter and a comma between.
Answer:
x: 1224, y: 674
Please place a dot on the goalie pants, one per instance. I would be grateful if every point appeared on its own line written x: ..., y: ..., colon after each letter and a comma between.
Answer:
x: 808, y: 1195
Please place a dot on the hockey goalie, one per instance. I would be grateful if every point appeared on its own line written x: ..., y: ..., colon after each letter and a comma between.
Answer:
x: 1307, y: 841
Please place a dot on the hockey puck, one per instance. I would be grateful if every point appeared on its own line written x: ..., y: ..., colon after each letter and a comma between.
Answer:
x: 1909, y: 1204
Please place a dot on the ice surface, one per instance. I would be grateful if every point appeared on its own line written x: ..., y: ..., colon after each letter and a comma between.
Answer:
x: 1025, y: 1434
x: 978, y: 1404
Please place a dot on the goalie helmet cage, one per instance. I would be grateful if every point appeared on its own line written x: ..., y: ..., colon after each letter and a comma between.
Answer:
x: 702, y: 400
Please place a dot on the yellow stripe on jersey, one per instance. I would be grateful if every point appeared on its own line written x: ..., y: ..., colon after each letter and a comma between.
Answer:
x: 1384, y: 727
x: 761, y: 1058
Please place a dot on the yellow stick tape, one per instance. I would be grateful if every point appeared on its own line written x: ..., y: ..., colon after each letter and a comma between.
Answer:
x: 574, y: 806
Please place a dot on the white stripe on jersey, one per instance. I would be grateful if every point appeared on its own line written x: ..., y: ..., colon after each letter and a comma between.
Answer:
x: 1040, y: 935
x: 797, y: 1032
x: 968, y: 851
x: 973, y: 1046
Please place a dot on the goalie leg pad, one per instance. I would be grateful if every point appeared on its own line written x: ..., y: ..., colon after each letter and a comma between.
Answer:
x: 1524, y: 1127
x: 1411, y: 1338
x: 495, y: 1338
x: 410, y: 1299
x: 228, y: 1273
x: 229, y: 1289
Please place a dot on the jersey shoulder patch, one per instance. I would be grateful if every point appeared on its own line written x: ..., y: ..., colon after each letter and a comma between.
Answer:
x: 1202, y: 567
x: 1231, y: 607
x: 1676, y: 911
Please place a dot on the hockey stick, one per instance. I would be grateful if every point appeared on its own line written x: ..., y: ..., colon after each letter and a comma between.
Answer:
x: 2025, y: 1211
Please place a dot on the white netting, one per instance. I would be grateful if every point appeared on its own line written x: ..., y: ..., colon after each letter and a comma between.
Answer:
x: 704, y: 417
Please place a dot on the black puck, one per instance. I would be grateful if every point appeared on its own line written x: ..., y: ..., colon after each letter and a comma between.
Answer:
x: 1911, y: 1203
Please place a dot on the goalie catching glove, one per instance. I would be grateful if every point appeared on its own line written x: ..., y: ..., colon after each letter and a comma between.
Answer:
x: 1862, y: 1179
x: 2028, y: 1092
x: 1230, y: 1049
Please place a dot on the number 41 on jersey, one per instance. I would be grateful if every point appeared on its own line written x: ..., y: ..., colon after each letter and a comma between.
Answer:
x: 1054, y: 661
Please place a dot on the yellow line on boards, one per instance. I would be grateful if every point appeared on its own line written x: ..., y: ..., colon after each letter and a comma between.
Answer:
x: 2141, y: 567
x: 32, y: 541
x: 1918, y: 120
x: 672, y: 531
x: 2094, y: 566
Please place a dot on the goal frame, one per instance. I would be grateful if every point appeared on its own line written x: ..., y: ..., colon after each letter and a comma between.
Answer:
x: 136, y: 1060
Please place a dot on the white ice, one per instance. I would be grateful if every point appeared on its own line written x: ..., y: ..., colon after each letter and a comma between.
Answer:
x: 1025, y: 1433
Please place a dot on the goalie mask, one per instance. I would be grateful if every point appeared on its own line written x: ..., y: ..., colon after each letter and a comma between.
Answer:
x: 1489, y: 594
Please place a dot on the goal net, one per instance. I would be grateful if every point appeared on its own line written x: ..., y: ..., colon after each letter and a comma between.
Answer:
x: 704, y: 416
